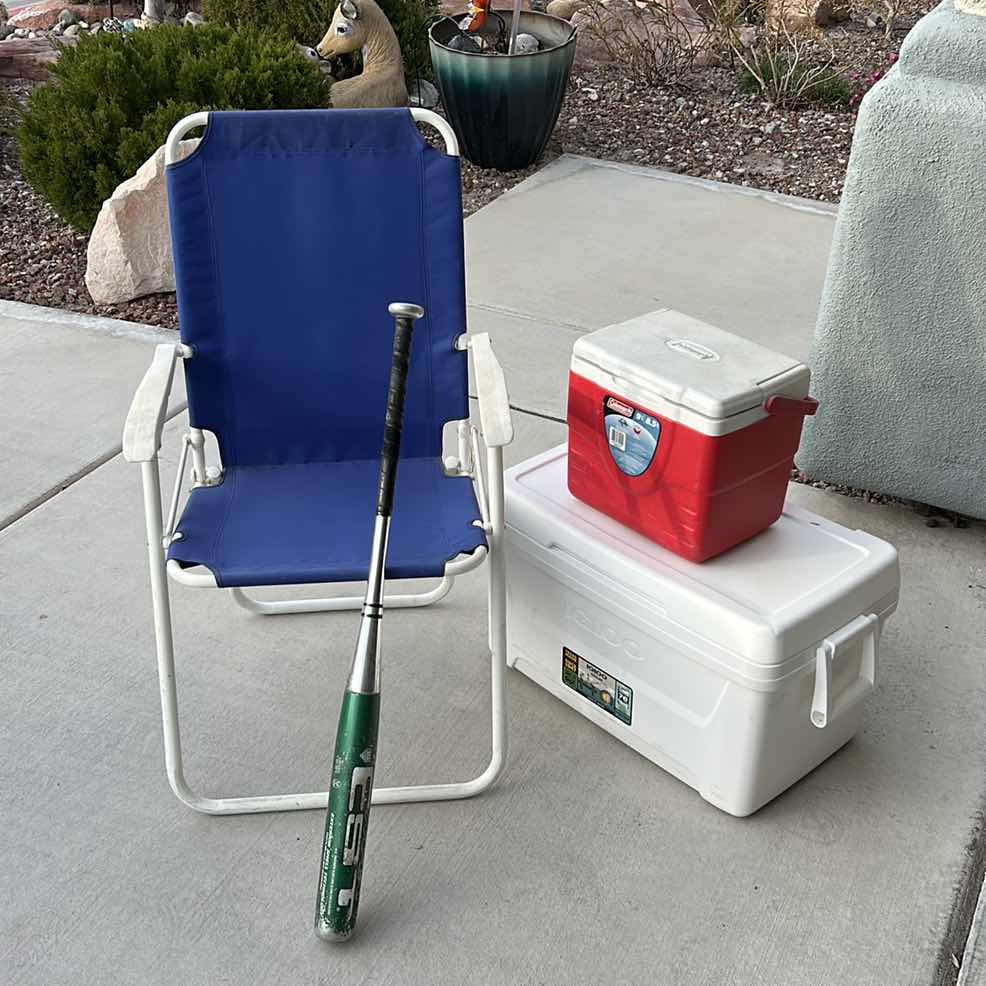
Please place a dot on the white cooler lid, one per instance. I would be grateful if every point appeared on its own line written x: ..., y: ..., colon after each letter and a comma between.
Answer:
x: 675, y: 358
x: 764, y: 601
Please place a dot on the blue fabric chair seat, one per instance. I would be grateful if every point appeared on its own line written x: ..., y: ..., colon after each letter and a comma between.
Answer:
x: 313, y: 522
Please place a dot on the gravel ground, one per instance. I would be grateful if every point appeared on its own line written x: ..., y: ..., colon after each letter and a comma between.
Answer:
x: 707, y: 128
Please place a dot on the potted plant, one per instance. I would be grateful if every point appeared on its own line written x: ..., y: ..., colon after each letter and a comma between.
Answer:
x: 502, y: 91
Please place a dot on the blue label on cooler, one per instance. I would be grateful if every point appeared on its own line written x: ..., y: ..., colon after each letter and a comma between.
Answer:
x: 631, y: 434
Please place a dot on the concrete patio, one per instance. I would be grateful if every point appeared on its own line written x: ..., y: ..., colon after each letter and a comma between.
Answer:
x: 585, y: 864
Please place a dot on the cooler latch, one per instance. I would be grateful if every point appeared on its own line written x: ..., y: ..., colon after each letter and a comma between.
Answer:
x: 804, y: 407
x: 865, y: 628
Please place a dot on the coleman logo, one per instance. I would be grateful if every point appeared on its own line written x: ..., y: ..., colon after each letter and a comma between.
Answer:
x: 607, y: 633
x: 694, y: 349
x: 619, y: 407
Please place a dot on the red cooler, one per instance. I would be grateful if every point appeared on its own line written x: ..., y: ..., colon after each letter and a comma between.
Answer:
x: 682, y: 431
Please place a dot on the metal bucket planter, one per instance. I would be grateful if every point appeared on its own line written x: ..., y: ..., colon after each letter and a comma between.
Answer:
x: 503, y: 108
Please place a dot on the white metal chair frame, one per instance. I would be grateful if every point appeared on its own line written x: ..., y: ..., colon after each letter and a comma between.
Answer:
x: 142, y: 442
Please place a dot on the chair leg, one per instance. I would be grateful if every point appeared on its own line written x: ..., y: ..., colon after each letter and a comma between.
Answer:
x: 278, y: 607
x: 496, y: 574
x: 313, y: 799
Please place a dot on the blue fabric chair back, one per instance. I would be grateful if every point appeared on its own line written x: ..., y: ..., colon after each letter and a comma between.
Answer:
x: 292, y: 232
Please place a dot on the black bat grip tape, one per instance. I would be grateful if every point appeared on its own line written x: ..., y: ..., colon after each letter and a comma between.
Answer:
x: 394, y: 422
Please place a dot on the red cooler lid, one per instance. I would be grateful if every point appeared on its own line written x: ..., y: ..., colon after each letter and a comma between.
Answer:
x: 688, y: 370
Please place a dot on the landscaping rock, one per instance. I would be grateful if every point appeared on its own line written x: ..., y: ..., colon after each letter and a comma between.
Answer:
x: 193, y: 19
x: 422, y: 93
x: 26, y: 58
x: 623, y: 18
x: 72, y: 31
x: 6, y: 30
x: 803, y: 16
x: 129, y: 253
x: 45, y: 15
x: 562, y: 8
x: 68, y: 17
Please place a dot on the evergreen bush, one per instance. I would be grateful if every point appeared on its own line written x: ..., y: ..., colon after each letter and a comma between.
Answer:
x: 791, y: 83
x: 303, y: 21
x: 113, y: 98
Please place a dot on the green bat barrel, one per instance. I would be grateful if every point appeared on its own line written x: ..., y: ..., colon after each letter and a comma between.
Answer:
x: 349, y: 812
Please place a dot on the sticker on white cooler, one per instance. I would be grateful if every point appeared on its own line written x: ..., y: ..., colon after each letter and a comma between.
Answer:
x: 598, y: 686
x: 631, y: 434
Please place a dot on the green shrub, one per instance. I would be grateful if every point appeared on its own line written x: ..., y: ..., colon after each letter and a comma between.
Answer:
x: 790, y: 83
x: 306, y: 21
x: 113, y: 98
x: 8, y: 114
x: 832, y: 90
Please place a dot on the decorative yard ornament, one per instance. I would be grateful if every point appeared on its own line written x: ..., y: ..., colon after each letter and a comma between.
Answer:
x: 476, y: 16
x: 489, y: 36
x: 496, y: 43
x: 360, y: 25
x: 502, y: 105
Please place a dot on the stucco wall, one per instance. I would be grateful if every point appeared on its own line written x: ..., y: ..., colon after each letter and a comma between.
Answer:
x: 899, y: 357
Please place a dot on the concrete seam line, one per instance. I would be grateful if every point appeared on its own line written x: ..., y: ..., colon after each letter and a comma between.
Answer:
x: 975, y: 931
x: 71, y: 480
x: 544, y: 416
x: 788, y: 201
x: 90, y: 323
x: 523, y: 316
x: 966, y: 906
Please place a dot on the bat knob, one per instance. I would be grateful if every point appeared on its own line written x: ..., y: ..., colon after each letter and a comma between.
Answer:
x: 401, y: 309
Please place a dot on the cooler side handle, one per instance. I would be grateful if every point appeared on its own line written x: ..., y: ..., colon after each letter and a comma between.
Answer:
x: 800, y: 406
x: 823, y: 708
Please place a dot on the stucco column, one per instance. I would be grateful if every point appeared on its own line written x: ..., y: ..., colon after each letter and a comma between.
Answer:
x: 899, y: 358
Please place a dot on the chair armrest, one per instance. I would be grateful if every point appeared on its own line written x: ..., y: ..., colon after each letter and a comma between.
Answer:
x: 491, y: 389
x: 145, y: 420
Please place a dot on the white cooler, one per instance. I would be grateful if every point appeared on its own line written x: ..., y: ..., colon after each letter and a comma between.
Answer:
x: 738, y: 675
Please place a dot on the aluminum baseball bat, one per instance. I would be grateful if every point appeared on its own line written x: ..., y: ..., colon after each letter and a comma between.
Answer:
x: 343, y: 849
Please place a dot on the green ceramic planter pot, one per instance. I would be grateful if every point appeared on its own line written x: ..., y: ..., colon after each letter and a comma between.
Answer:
x: 503, y: 108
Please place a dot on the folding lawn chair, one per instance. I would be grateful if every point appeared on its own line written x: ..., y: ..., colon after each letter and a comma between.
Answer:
x: 292, y: 233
